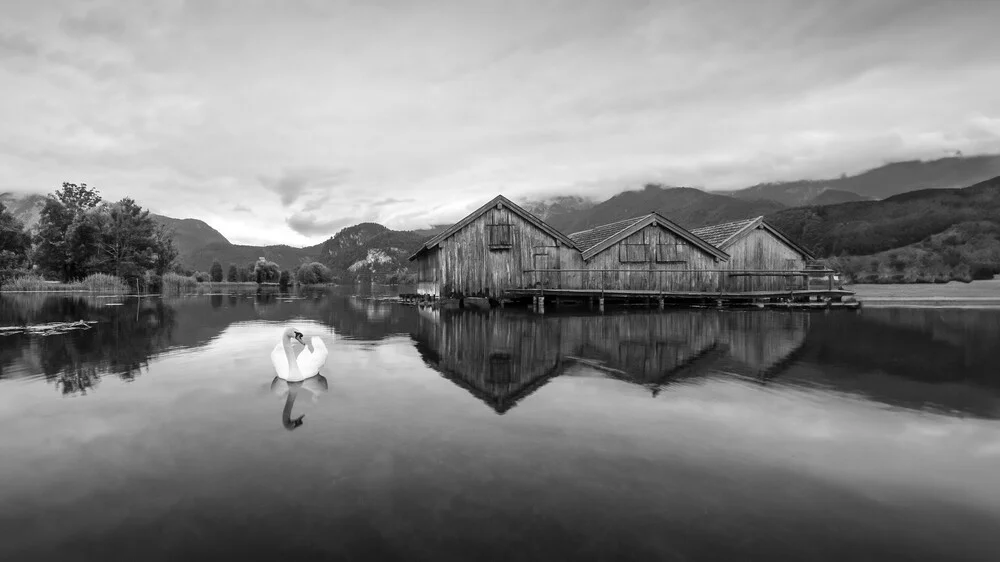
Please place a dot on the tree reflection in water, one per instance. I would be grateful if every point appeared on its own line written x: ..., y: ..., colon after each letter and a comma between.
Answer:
x: 121, y: 343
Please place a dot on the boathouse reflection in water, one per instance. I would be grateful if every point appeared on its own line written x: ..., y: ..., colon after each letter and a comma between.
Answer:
x: 501, y: 357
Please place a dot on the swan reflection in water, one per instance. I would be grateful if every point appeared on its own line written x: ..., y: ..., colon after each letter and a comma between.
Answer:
x: 297, y: 370
x: 317, y: 385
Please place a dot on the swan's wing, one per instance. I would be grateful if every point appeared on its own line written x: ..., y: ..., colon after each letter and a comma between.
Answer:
x: 310, y: 362
x: 279, y: 361
x: 319, y: 348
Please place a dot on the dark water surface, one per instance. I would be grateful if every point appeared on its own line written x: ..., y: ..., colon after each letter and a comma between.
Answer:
x: 458, y: 435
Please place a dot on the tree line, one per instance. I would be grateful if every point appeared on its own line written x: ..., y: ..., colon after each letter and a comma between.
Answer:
x: 312, y: 273
x: 79, y: 234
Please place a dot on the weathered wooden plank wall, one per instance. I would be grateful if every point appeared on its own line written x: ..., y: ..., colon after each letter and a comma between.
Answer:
x: 428, y: 282
x: 468, y: 264
x: 761, y: 250
x: 652, y: 273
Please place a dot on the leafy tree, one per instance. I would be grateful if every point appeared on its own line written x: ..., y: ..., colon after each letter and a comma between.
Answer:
x: 15, y: 243
x: 65, y: 239
x: 313, y: 273
x: 285, y: 279
x: 202, y: 277
x: 79, y: 234
x: 233, y: 274
x: 126, y: 236
x: 216, y: 271
x: 266, y: 272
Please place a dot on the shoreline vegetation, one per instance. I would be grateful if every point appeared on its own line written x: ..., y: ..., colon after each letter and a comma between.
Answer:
x: 955, y: 293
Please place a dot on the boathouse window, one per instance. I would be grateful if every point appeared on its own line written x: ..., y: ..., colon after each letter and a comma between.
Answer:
x: 633, y: 253
x: 670, y: 253
x: 500, y: 236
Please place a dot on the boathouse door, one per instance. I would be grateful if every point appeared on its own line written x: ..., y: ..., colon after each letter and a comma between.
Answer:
x: 540, y: 263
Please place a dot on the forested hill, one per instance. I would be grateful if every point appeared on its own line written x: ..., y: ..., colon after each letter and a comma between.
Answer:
x: 687, y: 206
x: 885, y: 181
x: 921, y: 235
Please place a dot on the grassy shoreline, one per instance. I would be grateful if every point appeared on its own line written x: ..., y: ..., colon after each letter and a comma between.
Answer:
x: 955, y: 293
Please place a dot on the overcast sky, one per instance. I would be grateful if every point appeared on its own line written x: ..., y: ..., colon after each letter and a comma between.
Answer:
x: 286, y: 121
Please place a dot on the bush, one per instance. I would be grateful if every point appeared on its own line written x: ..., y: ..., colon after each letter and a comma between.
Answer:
x: 202, y: 277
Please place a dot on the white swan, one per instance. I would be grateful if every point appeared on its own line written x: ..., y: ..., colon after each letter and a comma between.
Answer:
x: 306, y: 364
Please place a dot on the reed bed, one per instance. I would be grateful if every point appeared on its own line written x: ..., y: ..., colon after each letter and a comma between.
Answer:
x: 96, y: 283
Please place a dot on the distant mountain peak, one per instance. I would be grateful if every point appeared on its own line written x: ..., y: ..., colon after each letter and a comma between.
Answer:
x: 893, y: 178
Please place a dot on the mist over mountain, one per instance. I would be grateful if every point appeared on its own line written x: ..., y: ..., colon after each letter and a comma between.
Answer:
x: 884, y: 181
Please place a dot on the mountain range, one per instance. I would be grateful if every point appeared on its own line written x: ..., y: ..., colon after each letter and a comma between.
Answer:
x: 888, y: 207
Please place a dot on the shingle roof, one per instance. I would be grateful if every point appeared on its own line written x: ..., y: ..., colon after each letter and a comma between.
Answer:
x: 587, y: 239
x: 718, y: 234
x: 501, y: 200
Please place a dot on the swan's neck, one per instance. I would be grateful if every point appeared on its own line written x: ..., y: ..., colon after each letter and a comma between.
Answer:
x: 293, y: 364
x: 286, y: 414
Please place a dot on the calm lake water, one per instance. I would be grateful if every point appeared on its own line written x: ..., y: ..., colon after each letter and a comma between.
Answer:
x: 160, y: 433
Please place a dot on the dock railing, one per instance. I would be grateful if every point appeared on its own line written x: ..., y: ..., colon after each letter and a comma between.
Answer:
x: 657, y: 280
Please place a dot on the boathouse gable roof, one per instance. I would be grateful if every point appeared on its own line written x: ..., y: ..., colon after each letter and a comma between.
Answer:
x: 587, y: 239
x: 637, y: 224
x: 498, y: 200
x: 726, y: 234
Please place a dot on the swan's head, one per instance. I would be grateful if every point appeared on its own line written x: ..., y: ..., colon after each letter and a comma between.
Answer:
x: 294, y: 334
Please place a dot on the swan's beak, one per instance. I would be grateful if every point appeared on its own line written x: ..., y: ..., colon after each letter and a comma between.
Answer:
x: 298, y: 338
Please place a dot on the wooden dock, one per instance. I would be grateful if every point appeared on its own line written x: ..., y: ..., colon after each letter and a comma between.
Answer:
x: 813, y: 288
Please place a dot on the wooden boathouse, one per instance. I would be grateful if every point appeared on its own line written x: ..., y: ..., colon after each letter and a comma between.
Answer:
x: 487, y: 252
x: 503, y: 252
x: 755, y: 245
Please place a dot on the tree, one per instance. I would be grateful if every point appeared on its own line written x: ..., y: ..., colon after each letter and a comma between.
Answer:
x: 266, y: 272
x: 15, y: 243
x: 233, y: 275
x: 126, y: 236
x: 65, y: 238
x: 216, y: 271
x: 313, y: 273
x: 285, y: 279
x: 78, y: 234
x: 202, y: 277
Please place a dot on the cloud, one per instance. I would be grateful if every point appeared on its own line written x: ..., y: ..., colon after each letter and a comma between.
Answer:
x: 102, y: 22
x: 307, y: 224
x: 296, y: 182
x: 533, y: 100
x: 391, y: 201
x: 17, y: 45
x: 240, y: 208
